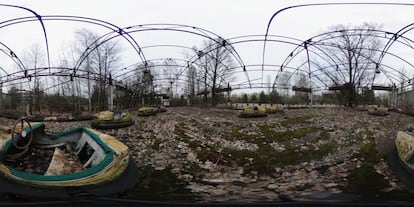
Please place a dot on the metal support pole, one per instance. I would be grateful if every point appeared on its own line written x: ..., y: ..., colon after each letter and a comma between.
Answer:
x: 309, y: 67
x: 110, y: 98
x: 1, y: 94
x: 74, y: 111
x: 89, y: 94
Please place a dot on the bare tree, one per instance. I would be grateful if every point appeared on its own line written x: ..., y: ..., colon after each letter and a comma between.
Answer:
x: 103, y: 59
x: 284, y: 80
x: 302, y: 81
x: 354, y: 52
x: 33, y: 59
x: 191, y: 80
x: 142, y: 83
x: 171, y: 72
x: 216, y: 62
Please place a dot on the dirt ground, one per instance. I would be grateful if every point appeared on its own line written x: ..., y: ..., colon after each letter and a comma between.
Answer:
x: 210, y: 154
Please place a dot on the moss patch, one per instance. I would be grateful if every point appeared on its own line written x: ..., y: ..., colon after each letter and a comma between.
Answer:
x: 237, y: 134
x: 265, y: 159
x: 203, y: 152
x: 369, y: 151
x: 282, y: 136
x: 210, y: 153
x: 365, y: 180
x: 359, y: 137
x: 325, y: 135
x: 155, y: 141
x: 180, y: 130
x: 295, y: 120
x: 160, y: 185
x: 267, y: 135
x: 293, y: 155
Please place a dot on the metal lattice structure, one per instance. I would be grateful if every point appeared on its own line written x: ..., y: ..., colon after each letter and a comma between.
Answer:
x: 171, y: 51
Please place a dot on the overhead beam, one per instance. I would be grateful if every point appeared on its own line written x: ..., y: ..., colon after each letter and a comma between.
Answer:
x: 303, y: 89
x: 381, y: 88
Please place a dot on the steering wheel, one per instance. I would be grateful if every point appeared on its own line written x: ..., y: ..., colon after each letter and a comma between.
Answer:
x: 23, y: 140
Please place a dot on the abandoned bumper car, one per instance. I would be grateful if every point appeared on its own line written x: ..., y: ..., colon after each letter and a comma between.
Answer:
x: 79, y: 161
x: 253, y: 112
x: 161, y: 109
x: 401, y: 157
x: 147, y: 111
x: 112, y: 120
x: 378, y: 111
x: 274, y: 109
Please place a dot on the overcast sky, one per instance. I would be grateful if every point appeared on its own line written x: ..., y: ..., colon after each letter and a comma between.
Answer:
x: 227, y: 18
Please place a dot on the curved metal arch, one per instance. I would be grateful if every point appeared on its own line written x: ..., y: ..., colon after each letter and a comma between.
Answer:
x: 394, y: 38
x: 187, y: 64
x: 2, y: 69
x: 142, y: 29
x: 167, y: 45
x: 412, y: 65
x: 183, y: 66
x: 60, y: 72
x: 384, y: 37
x: 390, y: 76
x: 95, y: 45
x: 261, y: 85
x: 305, y: 71
x: 161, y: 80
x: 114, y: 28
x: 256, y: 70
x: 314, y: 45
x: 27, y: 73
x: 203, y: 33
x: 170, y: 29
x: 320, y: 4
x: 39, y: 18
x: 260, y: 70
x: 176, y: 77
x: 394, y: 55
x: 260, y: 38
x: 301, y: 47
x: 294, y: 41
x: 255, y: 38
x: 177, y: 27
x: 249, y: 70
x: 13, y: 56
x: 331, y: 66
